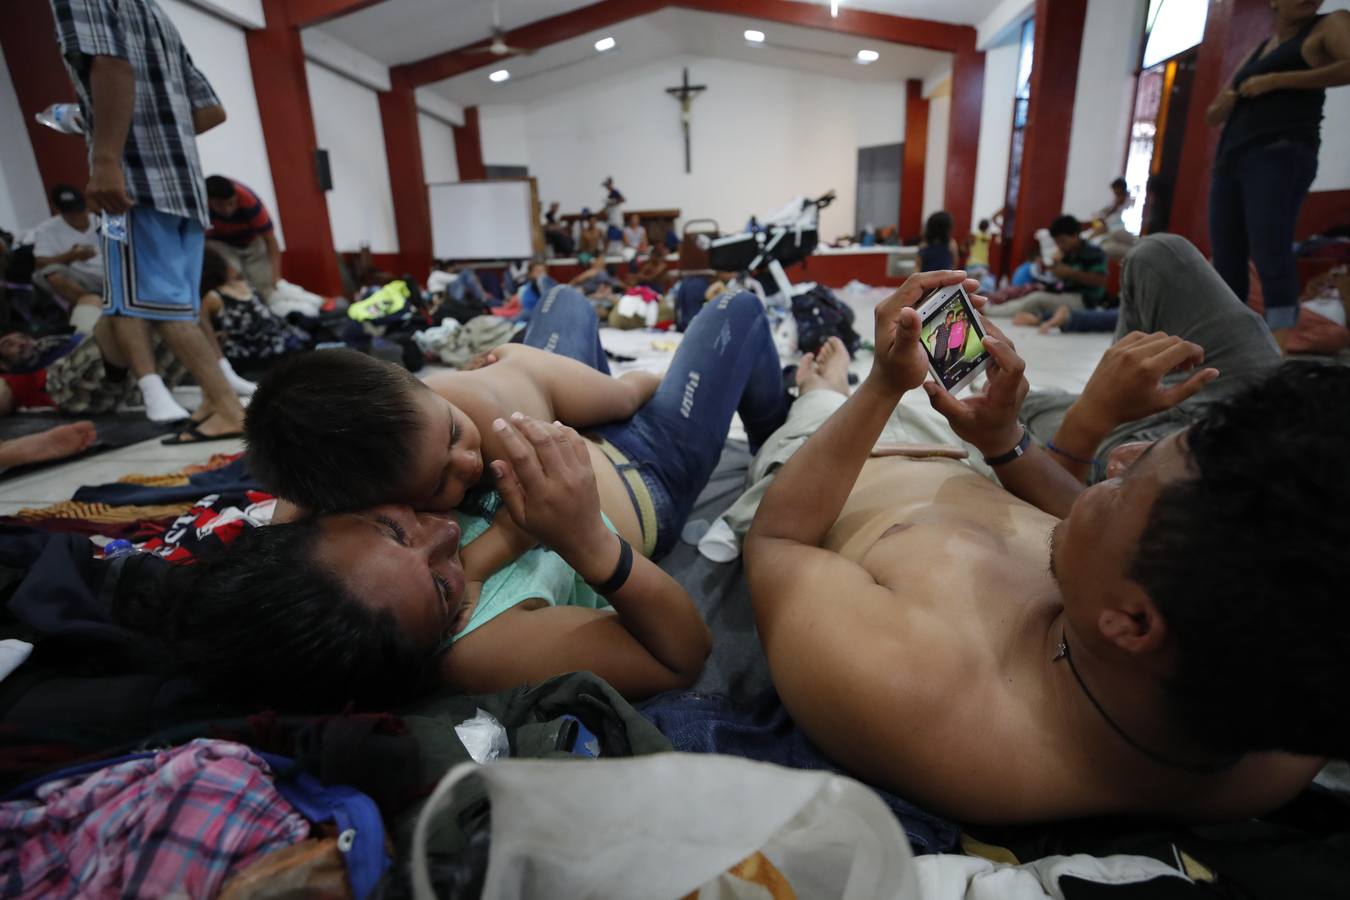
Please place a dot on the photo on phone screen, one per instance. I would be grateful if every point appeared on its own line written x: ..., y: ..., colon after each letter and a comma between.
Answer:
x: 952, y: 336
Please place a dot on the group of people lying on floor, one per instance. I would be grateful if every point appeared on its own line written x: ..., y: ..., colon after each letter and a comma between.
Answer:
x: 1107, y: 624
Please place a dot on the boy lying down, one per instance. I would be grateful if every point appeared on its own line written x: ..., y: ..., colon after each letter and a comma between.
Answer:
x: 1174, y: 640
x: 361, y: 594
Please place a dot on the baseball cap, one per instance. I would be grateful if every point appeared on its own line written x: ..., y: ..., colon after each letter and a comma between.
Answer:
x: 67, y: 199
x: 585, y: 211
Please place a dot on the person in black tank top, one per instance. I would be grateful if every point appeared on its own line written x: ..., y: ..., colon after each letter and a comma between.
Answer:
x: 1271, y: 114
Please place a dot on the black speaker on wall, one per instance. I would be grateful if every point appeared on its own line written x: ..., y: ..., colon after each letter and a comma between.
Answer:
x: 322, y: 170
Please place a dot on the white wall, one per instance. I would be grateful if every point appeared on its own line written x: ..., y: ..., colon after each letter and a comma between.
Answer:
x: 248, y: 13
x: 935, y: 164
x: 23, y: 200
x: 760, y: 136
x: 1103, y: 102
x: 996, y: 118
x: 503, y: 133
x: 439, y: 162
x: 347, y: 122
x: 236, y: 148
x: 1333, y: 168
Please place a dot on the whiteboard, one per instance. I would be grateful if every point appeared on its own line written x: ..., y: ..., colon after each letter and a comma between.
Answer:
x: 482, y: 219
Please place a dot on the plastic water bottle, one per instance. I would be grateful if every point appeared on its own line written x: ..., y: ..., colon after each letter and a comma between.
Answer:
x: 115, y: 226
x: 118, y: 549
x: 63, y: 117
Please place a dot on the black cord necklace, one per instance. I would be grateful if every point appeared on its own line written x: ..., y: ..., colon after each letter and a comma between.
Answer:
x: 1197, y: 768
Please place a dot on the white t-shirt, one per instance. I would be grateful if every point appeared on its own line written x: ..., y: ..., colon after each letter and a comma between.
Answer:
x: 55, y: 236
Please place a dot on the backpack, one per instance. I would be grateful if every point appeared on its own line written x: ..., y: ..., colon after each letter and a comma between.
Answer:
x: 820, y: 315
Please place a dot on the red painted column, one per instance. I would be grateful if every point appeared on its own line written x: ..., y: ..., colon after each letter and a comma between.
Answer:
x: 469, y: 147
x: 407, y: 181
x: 1232, y: 29
x: 40, y: 79
x: 1054, y: 82
x: 963, y: 132
x: 277, y: 61
x: 912, y: 167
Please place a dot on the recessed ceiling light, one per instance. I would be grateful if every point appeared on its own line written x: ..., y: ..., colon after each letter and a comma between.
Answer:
x: 605, y: 43
x: 868, y: 56
x: 754, y: 37
x: 502, y: 75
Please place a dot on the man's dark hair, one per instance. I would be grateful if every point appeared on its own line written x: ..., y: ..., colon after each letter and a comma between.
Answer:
x: 1066, y: 224
x: 260, y: 622
x: 218, y: 187
x: 983, y: 226
x: 215, y: 271
x: 1120, y: 184
x: 1248, y: 565
x: 938, y: 228
x: 67, y: 198
x: 333, y: 429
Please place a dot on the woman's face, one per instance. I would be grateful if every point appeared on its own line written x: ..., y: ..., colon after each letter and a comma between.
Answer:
x: 390, y: 557
x: 447, y: 455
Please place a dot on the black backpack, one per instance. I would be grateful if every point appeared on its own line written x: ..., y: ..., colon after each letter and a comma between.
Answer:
x: 820, y: 315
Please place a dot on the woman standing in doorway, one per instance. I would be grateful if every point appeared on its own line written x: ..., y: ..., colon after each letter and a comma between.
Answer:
x: 1267, y: 157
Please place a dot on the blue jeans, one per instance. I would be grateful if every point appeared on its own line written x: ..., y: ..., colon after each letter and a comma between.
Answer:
x: 726, y: 363
x: 1254, y: 201
x: 711, y: 723
x: 1082, y: 320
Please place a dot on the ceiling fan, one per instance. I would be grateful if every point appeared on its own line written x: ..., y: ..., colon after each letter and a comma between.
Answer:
x: 498, y: 45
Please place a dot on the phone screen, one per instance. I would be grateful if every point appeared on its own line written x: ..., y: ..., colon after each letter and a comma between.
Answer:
x: 952, y: 339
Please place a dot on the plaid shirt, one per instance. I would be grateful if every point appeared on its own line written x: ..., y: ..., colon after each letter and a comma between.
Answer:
x: 160, y: 161
x: 175, y: 824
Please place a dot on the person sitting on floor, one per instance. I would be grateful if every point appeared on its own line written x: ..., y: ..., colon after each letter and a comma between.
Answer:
x: 537, y: 283
x: 66, y: 258
x: 341, y: 605
x: 938, y: 250
x: 1081, y: 269
x: 1120, y: 680
x: 247, y: 332
x: 595, y: 276
x: 242, y: 232
x: 653, y: 273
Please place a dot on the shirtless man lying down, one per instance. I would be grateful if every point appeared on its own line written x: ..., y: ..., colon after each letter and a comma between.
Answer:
x: 1163, y: 642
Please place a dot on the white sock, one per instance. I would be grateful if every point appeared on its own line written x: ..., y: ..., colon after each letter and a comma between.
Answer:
x: 84, y: 317
x: 159, y: 403
x: 240, y: 386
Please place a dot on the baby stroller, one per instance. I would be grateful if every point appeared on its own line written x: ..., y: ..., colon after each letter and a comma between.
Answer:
x: 788, y: 236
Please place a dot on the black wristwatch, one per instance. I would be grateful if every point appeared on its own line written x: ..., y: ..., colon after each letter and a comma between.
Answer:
x: 1014, y: 453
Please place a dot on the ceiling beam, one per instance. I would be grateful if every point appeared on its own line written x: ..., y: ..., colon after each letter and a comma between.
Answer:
x: 924, y: 33
x: 534, y: 36
x: 304, y: 13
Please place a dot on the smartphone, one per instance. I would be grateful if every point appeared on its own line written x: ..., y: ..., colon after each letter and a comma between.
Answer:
x: 952, y: 337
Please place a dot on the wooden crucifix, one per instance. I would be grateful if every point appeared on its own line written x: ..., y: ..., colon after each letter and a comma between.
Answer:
x: 685, y: 93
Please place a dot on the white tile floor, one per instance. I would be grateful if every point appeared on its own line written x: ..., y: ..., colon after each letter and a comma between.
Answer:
x: 1062, y: 361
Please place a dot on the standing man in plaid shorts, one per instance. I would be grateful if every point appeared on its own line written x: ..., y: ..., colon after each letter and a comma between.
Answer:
x: 144, y: 103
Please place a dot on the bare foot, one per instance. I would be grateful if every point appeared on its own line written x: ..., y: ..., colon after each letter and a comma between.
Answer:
x: 825, y: 370
x: 1059, y: 318
x: 54, y: 443
x: 203, y: 412
x: 1026, y: 319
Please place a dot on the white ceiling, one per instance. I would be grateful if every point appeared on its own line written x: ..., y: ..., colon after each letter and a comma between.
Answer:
x: 681, y: 32
x: 400, y: 31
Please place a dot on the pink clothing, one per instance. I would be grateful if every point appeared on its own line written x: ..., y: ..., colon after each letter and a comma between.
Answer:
x: 958, y: 339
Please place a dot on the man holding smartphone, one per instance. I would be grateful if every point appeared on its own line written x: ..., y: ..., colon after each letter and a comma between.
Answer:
x: 1117, y: 680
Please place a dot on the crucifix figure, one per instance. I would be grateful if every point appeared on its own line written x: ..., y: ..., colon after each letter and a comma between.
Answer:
x: 686, y: 93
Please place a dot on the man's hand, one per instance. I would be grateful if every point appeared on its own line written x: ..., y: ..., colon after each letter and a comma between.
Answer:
x: 548, y: 486
x: 988, y: 420
x: 1261, y: 84
x: 1127, y: 383
x: 901, y: 363
x: 107, y: 189
x: 1063, y: 271
x: 79, y: 253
